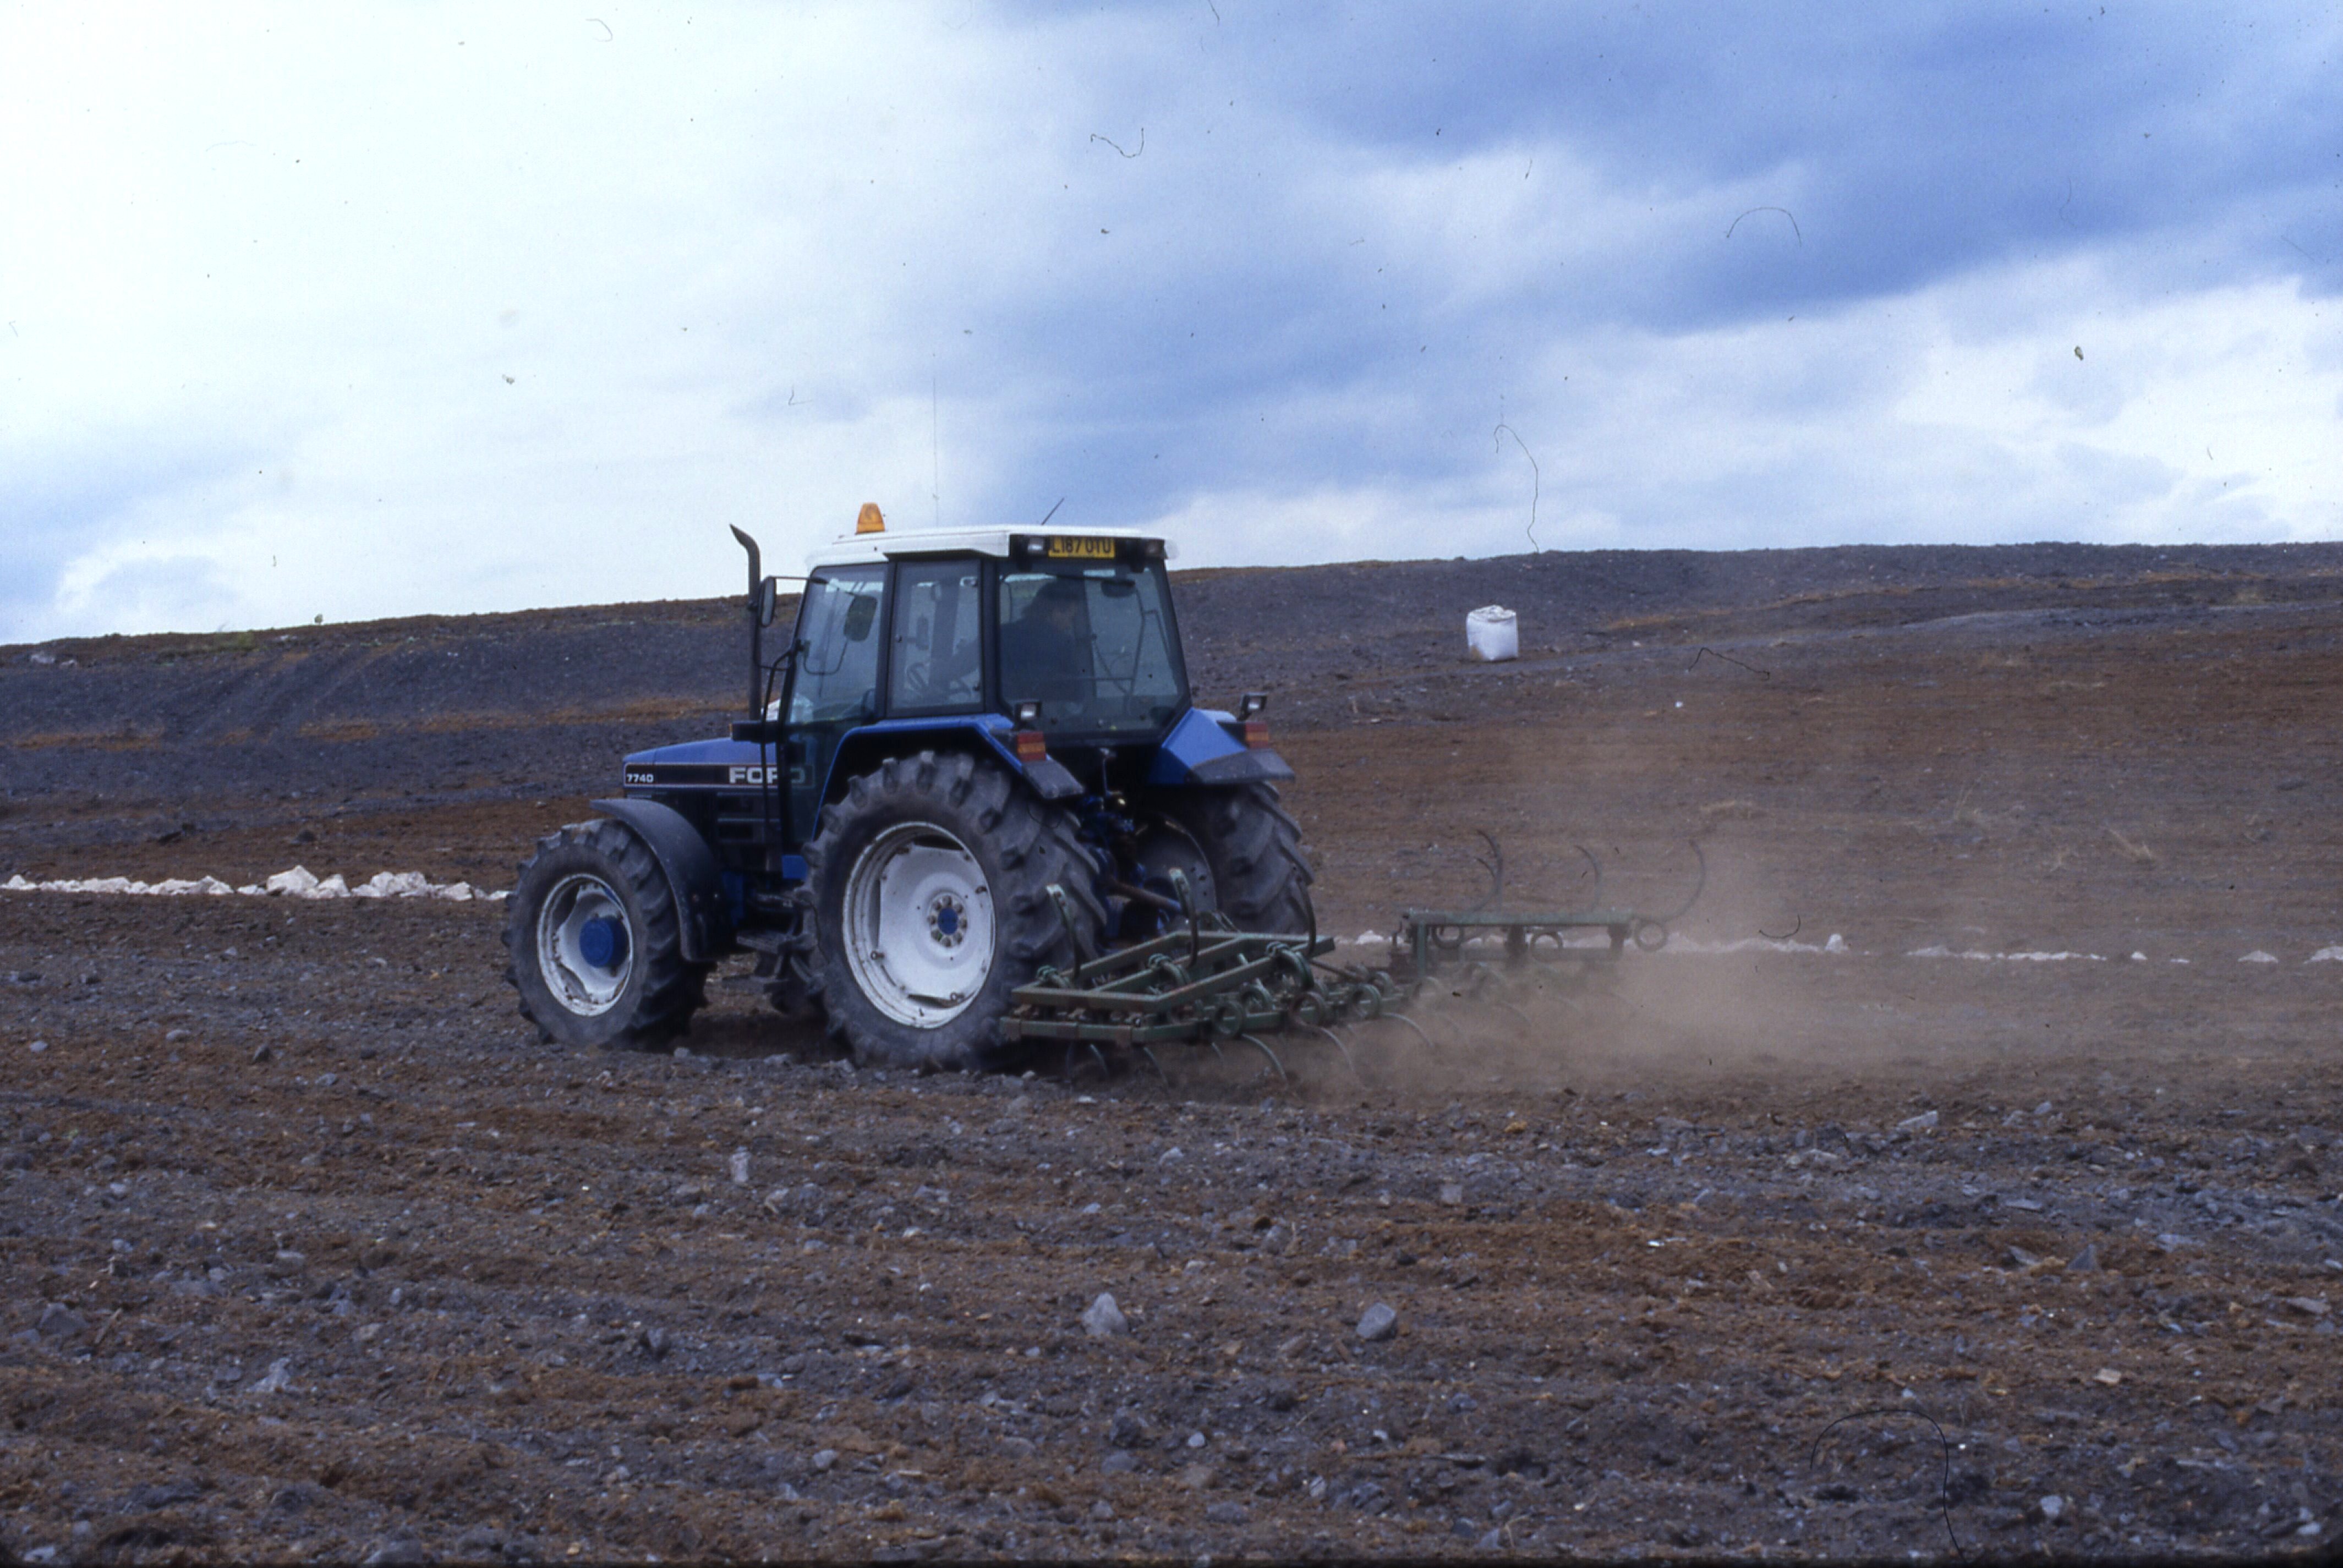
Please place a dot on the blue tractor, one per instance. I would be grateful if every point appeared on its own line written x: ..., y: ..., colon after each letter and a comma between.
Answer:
x: 976, y: 756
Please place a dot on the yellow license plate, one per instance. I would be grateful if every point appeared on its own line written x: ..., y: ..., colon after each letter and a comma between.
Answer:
x: 1080, y: 549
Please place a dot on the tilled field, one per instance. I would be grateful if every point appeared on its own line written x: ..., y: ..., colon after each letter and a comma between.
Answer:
x: 313, y: 1250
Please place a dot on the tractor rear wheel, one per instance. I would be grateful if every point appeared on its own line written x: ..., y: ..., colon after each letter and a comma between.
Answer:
x: 594, y: 943
x: 1261, y: 873
x: 929, y: 884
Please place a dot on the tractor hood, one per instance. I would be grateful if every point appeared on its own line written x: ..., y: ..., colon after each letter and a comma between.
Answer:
x: 735, y: 762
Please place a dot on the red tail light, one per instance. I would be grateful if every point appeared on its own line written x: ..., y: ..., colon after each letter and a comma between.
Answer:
x: 1256, y: 732
x: 1031, y: 745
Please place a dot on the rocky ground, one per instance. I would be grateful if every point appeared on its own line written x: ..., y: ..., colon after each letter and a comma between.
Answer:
x: 1970, y: 1233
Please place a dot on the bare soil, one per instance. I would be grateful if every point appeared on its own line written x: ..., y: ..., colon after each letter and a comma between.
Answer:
x: 313, y: 1250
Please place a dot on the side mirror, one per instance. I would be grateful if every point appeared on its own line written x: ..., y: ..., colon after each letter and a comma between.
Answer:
x: 769, y: 594
x: 1251, y: 703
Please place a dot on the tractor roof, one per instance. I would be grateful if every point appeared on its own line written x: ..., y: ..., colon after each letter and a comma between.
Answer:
x: 994, y: 542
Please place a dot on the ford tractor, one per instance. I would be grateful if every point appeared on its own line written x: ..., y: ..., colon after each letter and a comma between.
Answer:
x: 975, y: 764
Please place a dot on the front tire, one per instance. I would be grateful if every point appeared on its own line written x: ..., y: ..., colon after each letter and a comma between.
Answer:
x: 594, y: 942
x: 929, y: 884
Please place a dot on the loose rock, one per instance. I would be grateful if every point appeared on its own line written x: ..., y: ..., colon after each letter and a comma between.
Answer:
x: 59, y: 1321
x: 1103, y: 1318
x: 1378, y: 1322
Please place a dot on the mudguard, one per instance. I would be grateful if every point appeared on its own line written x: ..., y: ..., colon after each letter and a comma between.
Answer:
x: 692, y: 873
x: 1050, y: 777
x: 1200, y: 751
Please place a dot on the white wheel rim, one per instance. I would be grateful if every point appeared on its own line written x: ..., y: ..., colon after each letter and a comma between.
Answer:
x: 580, y: 984
x: 918, y: 925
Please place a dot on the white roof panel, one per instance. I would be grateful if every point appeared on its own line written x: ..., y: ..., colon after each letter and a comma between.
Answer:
x: 851, y: 549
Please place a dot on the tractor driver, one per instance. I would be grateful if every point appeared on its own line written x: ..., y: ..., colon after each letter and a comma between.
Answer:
x: 1044, y: 652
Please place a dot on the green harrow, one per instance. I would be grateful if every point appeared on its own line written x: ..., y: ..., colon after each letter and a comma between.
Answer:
x: 1206, y: 983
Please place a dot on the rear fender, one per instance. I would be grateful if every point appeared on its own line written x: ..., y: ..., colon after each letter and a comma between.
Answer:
x: 1200, y: 751
x: 692, y: 874
x: 987, y: 734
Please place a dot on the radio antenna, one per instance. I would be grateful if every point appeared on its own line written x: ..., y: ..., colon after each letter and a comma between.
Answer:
x: 1050, y: 513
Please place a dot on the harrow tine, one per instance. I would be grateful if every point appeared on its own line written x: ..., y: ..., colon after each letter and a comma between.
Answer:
x: 1592, y: 894
x: 1429, y: 1043
x: 1456, y: 1026
x: 1346, y: 1050
x: 1495, y: 867
x: 1262, y: 1046
x: 1509, y: 1007
x: 1099, y: 1057
x: 1161, y: 1076
x: 1066, y: 917
x: 1700, y: 886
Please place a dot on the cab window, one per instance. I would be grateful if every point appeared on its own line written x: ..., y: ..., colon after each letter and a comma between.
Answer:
x: 838, y: 665
x: 1093, y: 643
x: 937, y: 660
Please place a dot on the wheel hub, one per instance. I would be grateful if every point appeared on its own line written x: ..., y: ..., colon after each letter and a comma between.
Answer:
x: 600, y: 941
x: 583, y: 951
x: 947, y: 921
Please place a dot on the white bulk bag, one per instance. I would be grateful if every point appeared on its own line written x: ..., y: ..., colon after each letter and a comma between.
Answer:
x: 1491, y: 634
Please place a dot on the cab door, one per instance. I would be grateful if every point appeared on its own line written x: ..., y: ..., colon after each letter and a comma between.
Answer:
x: 935, y: 655
x: 834, y: 683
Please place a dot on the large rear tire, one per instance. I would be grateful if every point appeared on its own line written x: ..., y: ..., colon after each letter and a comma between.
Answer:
x: 594, y: 944
x: 929, y: 884
x: 1260, y: 872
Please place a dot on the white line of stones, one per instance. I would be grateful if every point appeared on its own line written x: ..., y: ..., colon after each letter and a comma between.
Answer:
x: 296, y: 883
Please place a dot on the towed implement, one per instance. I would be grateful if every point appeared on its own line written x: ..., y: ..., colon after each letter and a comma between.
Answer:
x: 973, y: 813
x: 1206, y: 982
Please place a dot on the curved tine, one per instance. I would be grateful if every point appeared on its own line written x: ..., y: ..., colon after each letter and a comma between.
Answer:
x: 1161, y: 1076
x: 1429, y: 1043
x: 1346, y: 1050
x: 1432, y: 1014
x: 1262, y: 1046
x: 1595, y: 893
x: 1698, y: 887
x: 1066, y: 917
x: 1106, y: 1073
x: 1217, y: 1054
x: 1509, y: 1007
x: 1496, y: 871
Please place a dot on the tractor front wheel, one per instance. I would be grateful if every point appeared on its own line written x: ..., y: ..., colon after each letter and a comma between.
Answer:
x: 595, y: 944
x: 929, y: 884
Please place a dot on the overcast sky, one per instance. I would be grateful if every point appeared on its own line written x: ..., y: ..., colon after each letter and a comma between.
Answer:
x: 355, y: 311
